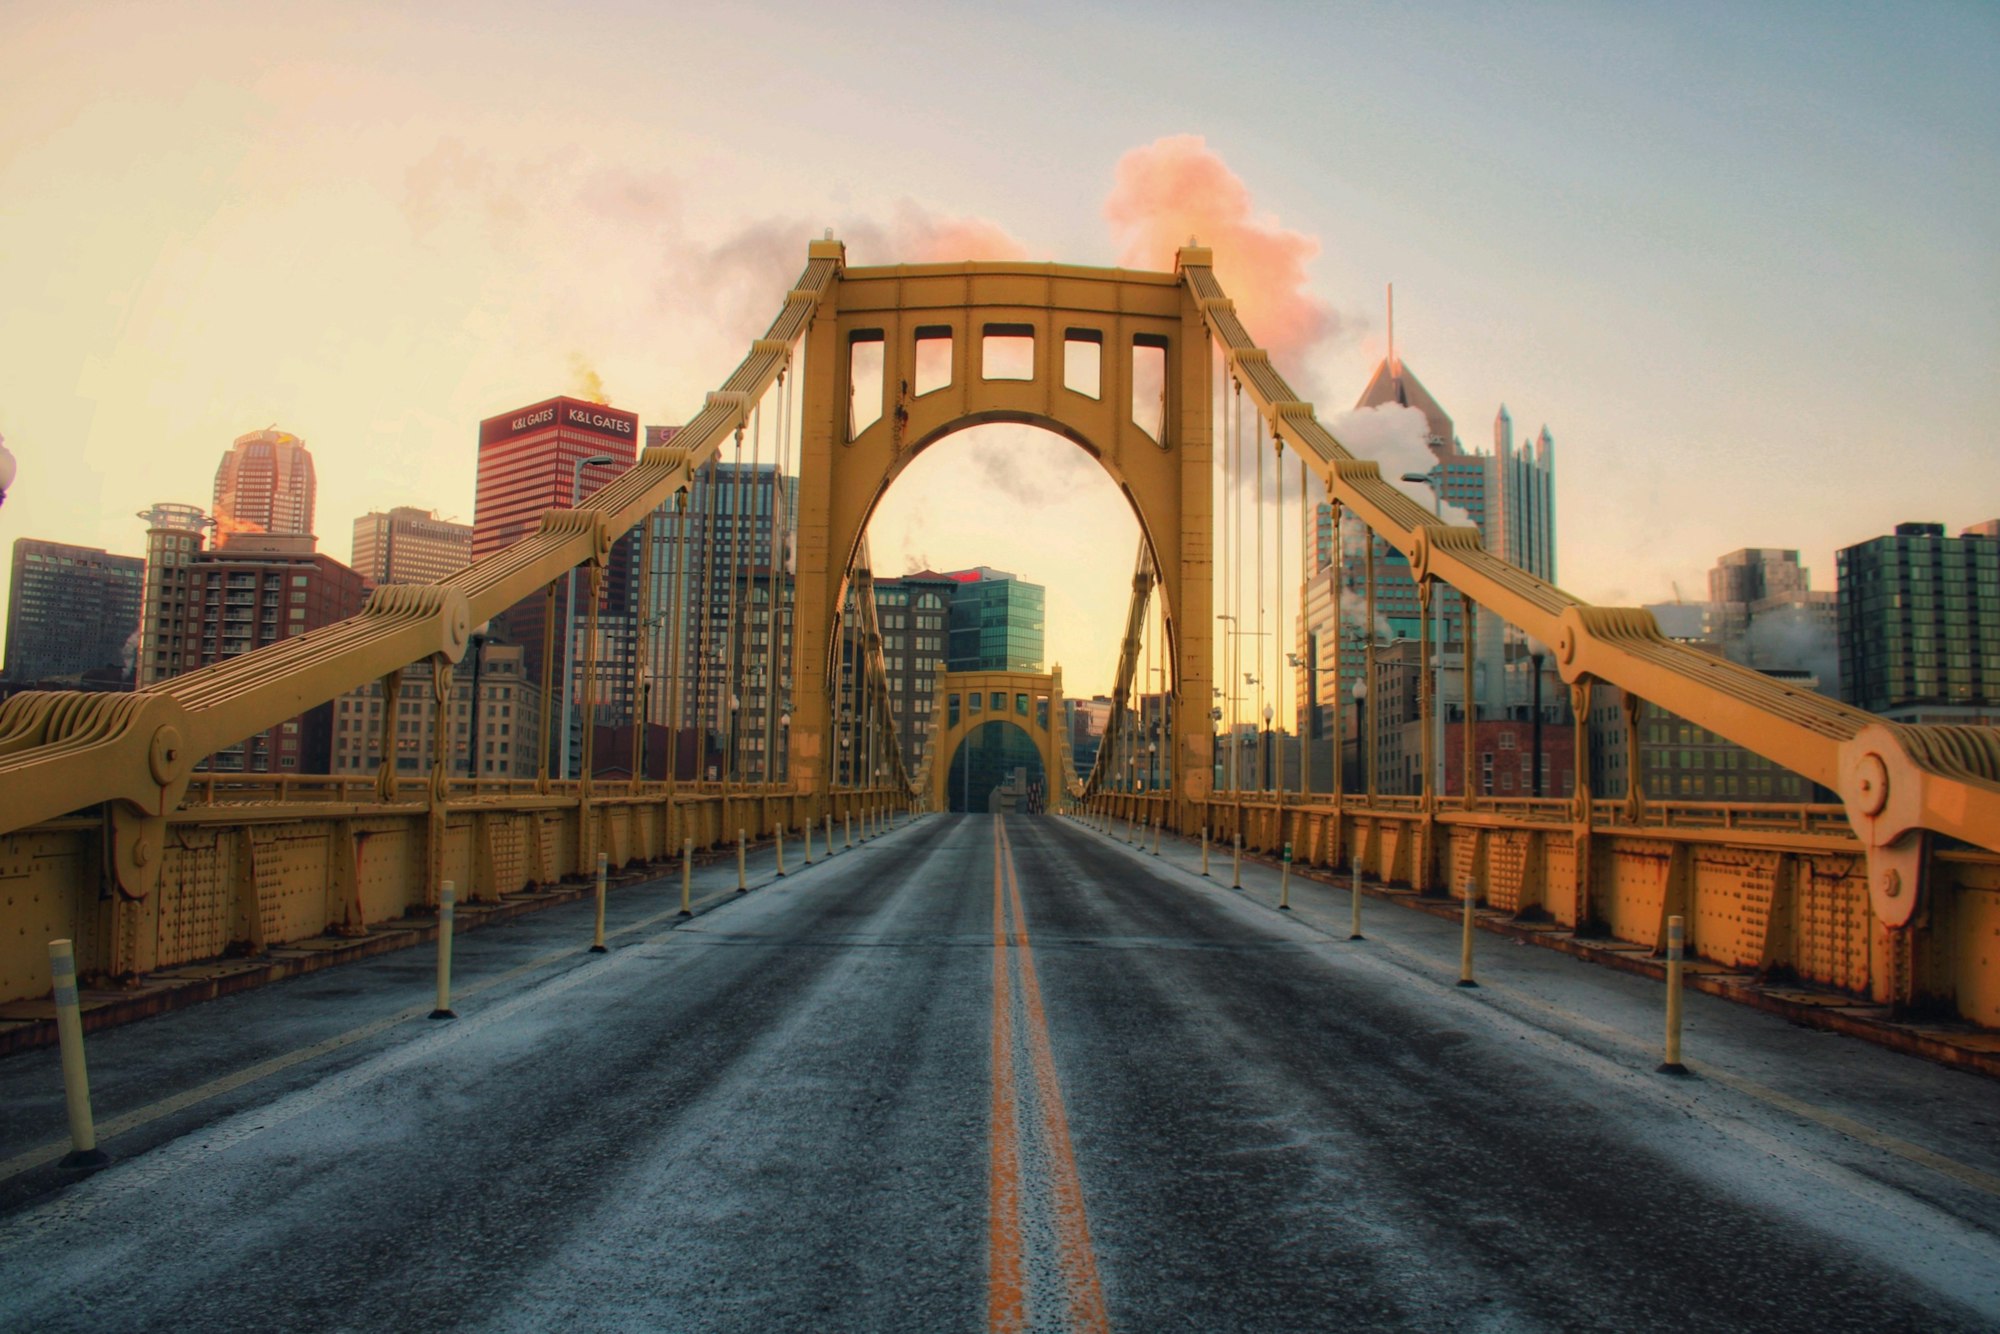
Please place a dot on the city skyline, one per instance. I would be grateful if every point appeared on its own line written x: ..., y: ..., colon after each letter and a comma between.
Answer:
x: 1718, y: 279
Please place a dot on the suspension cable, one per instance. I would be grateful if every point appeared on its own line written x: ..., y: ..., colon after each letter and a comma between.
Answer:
x: 728, y: 699
x: 1278, y: 588
x: 771, y: 582
x: 749, y: 595
x: 676, y: 632
x: 1257, y: 718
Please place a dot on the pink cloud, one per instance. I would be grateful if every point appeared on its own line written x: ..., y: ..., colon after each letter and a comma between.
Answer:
x: 1177, y: 187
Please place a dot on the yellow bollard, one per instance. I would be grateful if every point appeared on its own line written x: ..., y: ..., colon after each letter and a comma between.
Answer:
x: 597, y: 940
x: 1204, y: 850
x: 846, y: 830
x: 83, y: 1150
x: 1465, y: 939
x: 806, y: 832
x: 687, y: 877
x: 781, y: 851
x: 1285, y: 881
x: 1676, y: 951
x: 1158, y: 825
x: 1354, y: 903
x: 742, y: 868
x: 1236, y: 865
x: 829, y: 833
x: 447, y: 916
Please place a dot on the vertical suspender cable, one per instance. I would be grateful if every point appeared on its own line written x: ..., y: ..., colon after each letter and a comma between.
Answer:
x: 1232, y: 689
x: 705, y: 626
x: 1304, y: 715
x: 773, y: 582
x: 642, y: 544
x: 1369, y: 703
x: 730, y: 700
x: 1222, y: 565
x: 749, y: 621
x: 676, y: 636
x: 1278, y: 588
x: 1257, y: 707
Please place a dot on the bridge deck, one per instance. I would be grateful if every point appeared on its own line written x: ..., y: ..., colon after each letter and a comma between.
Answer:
x: 785, y: 1114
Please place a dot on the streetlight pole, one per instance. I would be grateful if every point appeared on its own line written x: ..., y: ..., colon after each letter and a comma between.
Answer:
x: 569, y: 611
x: 1229, y: 694
x: 1434, y: 479
x: 477, y: 648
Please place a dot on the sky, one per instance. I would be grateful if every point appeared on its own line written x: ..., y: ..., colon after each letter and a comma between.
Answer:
x: 1740, y: 259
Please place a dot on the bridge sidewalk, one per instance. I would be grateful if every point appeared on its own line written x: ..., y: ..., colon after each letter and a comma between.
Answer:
x: 1933, y: 1122
x: 191, y: 1062
x: 1959, y: 1045
x: 28, y: 1024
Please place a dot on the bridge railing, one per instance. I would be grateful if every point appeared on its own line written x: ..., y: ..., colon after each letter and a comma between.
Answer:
x: 330, y: 863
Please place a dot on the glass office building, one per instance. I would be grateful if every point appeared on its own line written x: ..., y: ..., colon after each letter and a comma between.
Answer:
x: 996, y: 623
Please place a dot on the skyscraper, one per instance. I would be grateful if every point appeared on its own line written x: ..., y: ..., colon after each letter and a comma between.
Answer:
x: 1764, y: 613
x: 1509, y: 495
x: 1920, y: 625
x: 409, y: 546
x: 996, y: 622
x: 532, y: 460
x: 265, y: 485
x: 72, y: 610
x: 717, y: 562
x: 913, y: 612
x: 252, y: 590
x: 1522, y: 529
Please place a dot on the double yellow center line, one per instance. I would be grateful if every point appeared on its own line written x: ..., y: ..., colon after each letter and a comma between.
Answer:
x: 1007, y: 1280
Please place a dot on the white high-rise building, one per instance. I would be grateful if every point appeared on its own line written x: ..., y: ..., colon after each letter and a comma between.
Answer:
x: 1521, y: 499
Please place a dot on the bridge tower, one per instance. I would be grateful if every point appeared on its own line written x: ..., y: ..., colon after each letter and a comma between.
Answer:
x: 1079, y: 352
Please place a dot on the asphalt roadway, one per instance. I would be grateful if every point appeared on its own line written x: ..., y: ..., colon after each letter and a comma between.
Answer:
x: 994, y: 1074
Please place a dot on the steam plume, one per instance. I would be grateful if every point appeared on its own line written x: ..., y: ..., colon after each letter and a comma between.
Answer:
x: 1177, y: 187
x: 585, y: 382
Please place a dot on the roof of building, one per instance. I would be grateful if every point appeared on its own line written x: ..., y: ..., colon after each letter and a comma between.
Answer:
x: 1393, y: 383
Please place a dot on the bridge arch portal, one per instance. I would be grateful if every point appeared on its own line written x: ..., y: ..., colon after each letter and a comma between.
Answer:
x: 1054, y: 346
x: 965, y: 703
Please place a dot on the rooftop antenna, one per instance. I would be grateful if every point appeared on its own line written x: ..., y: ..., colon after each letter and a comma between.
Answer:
x: 1394, y: 369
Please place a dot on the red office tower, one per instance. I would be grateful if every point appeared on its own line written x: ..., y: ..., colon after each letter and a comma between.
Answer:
x: 527, y: 459
x: 527, y: 464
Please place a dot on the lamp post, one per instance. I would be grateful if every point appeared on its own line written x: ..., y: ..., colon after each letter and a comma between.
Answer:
x: 569, y: 611
x: 1434, y: 479
x: 1268, y: 748
x: 477, y: 647
x: 1229, y: 697
x: 1309, y: 731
